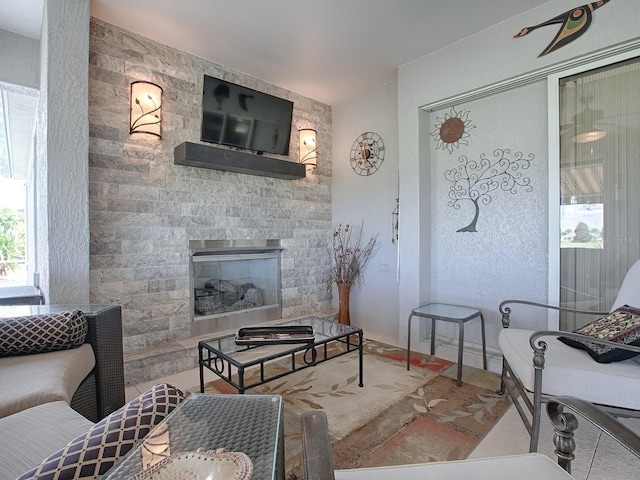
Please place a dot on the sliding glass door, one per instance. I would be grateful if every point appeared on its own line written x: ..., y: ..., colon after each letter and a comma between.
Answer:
x: 599, y: 176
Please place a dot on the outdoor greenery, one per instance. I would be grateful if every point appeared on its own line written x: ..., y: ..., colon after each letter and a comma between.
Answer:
x: 12, y: 240
x: 582, y: 236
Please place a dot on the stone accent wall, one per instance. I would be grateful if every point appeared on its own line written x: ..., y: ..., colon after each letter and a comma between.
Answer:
x: 144, y: 209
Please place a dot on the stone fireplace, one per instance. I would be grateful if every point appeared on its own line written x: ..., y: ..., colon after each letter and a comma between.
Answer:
x: 234, y: 283
x: 144, y: 209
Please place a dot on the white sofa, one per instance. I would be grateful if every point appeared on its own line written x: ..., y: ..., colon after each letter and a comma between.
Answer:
x: 318, y: 464
x: 60, y: 373
x: 56, y: 353
x: 51, y: 441
x: 537, y: 364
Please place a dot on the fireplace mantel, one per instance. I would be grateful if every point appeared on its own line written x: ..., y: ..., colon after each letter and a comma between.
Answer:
x: 218, y: 158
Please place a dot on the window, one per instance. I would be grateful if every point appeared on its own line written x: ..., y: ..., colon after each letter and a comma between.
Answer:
x: 599, y: 139
x: 17, y: 120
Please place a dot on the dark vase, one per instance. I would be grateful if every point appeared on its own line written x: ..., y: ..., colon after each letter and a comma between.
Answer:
x: 344, y: 290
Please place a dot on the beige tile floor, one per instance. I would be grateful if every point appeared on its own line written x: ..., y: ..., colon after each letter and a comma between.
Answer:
x: 597, y: 456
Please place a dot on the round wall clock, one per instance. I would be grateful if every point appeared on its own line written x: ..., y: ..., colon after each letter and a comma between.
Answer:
x: 367, y: 153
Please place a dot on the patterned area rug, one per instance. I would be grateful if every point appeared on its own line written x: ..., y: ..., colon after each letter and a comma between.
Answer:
x: 398, y: 417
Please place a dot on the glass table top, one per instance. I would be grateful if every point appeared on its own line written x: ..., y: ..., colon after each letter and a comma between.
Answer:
x: 251, y: 424
x: 323, y: 330
x: 444, y: 311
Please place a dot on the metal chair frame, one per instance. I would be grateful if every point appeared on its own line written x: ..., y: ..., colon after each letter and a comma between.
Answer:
x: 519, y: 395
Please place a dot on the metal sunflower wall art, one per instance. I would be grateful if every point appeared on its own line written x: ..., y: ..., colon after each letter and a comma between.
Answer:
x: 452, y: 130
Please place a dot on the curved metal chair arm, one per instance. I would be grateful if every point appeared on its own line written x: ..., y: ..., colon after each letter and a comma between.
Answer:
x: 506, y: 311
x: 516, y: 390
x: 565, y: 423
x: 316, y: 446
x: 539, y: 346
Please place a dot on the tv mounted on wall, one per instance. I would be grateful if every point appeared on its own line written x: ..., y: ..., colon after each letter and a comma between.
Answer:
x: 245, y: 118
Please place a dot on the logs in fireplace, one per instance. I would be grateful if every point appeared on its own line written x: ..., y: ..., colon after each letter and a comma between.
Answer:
x: 234, y: 283
x: 223, y: 296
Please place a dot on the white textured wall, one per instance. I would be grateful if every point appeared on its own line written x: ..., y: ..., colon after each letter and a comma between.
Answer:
x: 481, y: 60
x: 438, y: 264
x: 370, y: 199
x: 479, y: 268
x: 63, y: 143
x: 19, y: 59
x: 488, y: 57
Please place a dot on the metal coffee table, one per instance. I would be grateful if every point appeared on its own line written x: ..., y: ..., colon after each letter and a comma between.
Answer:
x: 252, y: 424
x: 230, y: 361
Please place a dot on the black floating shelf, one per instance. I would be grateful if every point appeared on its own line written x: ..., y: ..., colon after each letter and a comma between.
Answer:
x: 210, y: 156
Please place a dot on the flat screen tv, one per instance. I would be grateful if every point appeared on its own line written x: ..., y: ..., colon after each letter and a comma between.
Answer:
x: 245, y: 118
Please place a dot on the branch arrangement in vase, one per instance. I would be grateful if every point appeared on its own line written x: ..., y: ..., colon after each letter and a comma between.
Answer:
x: 349, y: 253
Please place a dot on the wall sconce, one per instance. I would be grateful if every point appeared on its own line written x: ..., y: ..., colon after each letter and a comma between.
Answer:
x: 308, y: 153
x: 146, y: 108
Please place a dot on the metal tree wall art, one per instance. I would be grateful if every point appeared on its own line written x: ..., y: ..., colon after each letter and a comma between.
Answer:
x: 574, y: 23
x: 475, y: 181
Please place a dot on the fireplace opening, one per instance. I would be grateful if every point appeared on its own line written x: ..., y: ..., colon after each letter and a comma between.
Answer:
x: 234, y: 283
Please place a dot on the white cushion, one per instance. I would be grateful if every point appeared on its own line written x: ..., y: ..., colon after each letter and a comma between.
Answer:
x: 27, y: 437
x: 629, y: 293
x: 523, y: 467
x: 30, y: 380
x: 571, y: 371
